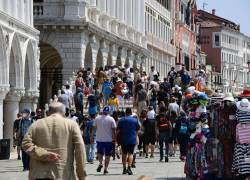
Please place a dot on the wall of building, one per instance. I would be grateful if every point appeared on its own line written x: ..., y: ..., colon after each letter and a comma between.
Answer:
x: 19, y: 65
x: 21, y: 10
x: 160, y: 34
x: 213, y: 54
x: 185, y: 34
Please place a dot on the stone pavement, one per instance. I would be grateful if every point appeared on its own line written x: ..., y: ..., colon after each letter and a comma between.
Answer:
x: 12, y: 169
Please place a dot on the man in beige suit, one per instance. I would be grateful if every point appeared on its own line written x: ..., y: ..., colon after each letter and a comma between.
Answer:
x: 53, y: 144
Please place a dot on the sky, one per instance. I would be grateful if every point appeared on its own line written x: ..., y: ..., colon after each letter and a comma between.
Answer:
x: 237, y: 11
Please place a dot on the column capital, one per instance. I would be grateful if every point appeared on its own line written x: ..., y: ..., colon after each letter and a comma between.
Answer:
x: 32, y: 94
x: 4, y: 89
x: 15, y: 95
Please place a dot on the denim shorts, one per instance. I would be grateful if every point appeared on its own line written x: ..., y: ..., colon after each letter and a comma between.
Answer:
x: 104, y: 148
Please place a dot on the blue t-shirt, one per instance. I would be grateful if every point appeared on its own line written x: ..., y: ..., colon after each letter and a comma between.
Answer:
x: 24, y: 126
x: 89, y: 128
x: 128, y: 127
x: 107, y: 88
x: 185, y: 78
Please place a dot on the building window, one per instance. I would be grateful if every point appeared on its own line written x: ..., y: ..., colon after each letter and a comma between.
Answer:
x: 217, y: 40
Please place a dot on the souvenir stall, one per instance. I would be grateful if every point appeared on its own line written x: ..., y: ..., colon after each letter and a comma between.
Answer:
x: 220, y: 148
x: 196, y: 162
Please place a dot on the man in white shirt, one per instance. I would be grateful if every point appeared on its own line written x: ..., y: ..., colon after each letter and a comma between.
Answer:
x: 69, y: 93
x: 152, y: 73
x: 173, y: 106
x: 105, y: 136
x: 151, y: 113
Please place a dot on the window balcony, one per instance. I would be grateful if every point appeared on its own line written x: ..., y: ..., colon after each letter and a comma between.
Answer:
x: 161, y: 9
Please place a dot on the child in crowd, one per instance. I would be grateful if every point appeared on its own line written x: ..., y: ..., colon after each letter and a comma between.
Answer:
x: 113, y: 102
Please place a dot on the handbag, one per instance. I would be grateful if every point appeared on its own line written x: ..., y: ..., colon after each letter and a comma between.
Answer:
x: 243, y: 133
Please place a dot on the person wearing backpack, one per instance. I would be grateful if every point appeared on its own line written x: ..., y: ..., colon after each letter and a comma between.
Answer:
x: 164, y: 128
x: 78, y: 98
x: 182, y: 125
x: 24, y: 125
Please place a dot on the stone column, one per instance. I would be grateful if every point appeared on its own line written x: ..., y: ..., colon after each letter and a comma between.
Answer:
x: 3, y: 91
x: 112, y: 4
x: 10, y: 110
x: 128, y: 13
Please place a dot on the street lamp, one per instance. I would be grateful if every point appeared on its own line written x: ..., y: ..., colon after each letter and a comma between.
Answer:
x: 248, y: 73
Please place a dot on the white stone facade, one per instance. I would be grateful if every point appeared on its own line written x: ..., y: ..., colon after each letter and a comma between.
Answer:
x: 88, y: 34
x: 235, y: 53
x: 159, y: 29
x: 19, y: 62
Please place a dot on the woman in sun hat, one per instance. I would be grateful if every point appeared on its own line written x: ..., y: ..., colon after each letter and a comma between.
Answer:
x: 243, y: 105
x: 226, y: 133
x: 228, y: 97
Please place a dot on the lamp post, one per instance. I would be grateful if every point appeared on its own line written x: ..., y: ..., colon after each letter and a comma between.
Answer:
x: 248, y: 73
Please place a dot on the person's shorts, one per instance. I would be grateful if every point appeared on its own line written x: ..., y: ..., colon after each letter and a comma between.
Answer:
x: 150, y: 139
x: 173, y: 139
x: 104, y: 148
x: 128, y: 148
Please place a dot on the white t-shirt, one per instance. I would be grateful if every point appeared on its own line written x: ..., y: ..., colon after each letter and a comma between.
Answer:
x: 151, y: 75
x: 104, y: 125
x: 69, y: 93
x: 173, y: 107
x: 151, y: 114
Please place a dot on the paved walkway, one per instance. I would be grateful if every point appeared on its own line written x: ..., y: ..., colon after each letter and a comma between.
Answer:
x: 12, y: 169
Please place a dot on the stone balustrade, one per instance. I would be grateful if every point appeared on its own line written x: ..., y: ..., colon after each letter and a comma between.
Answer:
x: 38, y: 10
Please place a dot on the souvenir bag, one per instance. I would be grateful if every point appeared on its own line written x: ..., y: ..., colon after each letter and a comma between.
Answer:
x: 243, y: 133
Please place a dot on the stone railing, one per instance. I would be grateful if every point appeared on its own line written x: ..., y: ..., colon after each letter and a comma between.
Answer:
x: 49, y: 10
x: 38, y: 9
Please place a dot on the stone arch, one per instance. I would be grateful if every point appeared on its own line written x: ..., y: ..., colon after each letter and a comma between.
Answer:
x: 51, y: 72
x: 110, y: 59
x: 88, y: 60
x: 3, y: 59
x: 99, y: 59
x: 30, y: 74
x: 15, y: 69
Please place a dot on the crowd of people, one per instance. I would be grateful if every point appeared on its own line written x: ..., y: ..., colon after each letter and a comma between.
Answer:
x: 119, y: 110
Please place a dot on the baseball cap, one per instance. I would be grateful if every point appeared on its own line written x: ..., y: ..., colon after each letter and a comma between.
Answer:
x: 27, y: 111
x: 106, y: 109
